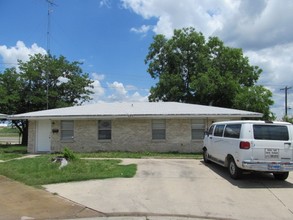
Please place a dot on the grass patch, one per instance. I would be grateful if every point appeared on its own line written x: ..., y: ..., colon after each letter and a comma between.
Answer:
x: 9, y: 132
x: 8, y: 152
x: 40, y: 170
x: 140, y: 155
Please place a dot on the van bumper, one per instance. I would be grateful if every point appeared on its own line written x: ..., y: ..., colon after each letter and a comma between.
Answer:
x: 270, y: 166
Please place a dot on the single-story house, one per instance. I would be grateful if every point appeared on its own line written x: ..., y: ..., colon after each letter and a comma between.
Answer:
x: 3, y: 116
x: 135, y: 127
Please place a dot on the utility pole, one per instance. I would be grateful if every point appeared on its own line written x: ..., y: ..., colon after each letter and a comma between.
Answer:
x: 286, y: 92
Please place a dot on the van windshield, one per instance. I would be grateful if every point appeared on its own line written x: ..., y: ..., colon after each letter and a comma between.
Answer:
x: 271, y: 132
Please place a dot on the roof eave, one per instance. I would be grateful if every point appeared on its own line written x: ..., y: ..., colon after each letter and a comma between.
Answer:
x: 140, y: 116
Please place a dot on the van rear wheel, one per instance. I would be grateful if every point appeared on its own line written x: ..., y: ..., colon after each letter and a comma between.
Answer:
x: 281, y: 176
x: 234, y: 171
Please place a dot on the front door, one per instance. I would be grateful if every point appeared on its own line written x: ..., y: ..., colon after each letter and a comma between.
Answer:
x: 43, y: 139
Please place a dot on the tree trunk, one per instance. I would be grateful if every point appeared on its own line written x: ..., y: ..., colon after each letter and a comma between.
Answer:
x: 24, y: 140
x: 22, y: 126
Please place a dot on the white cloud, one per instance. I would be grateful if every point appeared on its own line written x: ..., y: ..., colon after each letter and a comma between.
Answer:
x: 205, y: 16
x: 98, y: 89
x: 121, y: 93
x: 262, y: 28
x: 105, y: 3
x: 97, y: 76
x: 142, y: 30
x: 115, y: 91
x: 259, y: 24
x: 61, y: 80
x: 19, y: 52
x: 277, y: 66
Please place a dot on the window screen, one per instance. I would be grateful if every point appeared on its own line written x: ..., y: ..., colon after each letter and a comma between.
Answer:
x: 67, y: 130
x: 270, y: 132
x: 197, y: 129
x: 104, y: 130
x: 159, y: 129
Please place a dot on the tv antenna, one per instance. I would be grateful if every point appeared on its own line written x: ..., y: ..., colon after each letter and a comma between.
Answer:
x: 50, y: 10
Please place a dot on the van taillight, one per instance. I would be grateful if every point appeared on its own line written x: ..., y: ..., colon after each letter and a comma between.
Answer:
x: 244, y: 145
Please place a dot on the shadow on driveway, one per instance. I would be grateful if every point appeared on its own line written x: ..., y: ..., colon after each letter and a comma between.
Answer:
x: 251, y: 180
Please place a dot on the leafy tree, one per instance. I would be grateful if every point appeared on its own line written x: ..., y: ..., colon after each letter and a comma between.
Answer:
x: 288, y: 119
x: 192, y: 70
x: 252, y: 99
x: 44, y: 82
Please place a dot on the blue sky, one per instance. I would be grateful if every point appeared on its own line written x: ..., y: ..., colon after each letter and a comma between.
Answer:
x: 111, y: 37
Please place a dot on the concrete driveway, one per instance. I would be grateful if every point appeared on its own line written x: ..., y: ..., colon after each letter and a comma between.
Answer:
x: 184, y: 188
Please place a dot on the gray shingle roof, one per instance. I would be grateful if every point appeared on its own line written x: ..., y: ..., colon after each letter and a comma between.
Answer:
x: 137, y: 110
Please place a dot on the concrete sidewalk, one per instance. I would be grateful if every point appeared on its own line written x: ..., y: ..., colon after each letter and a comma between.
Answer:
x: 18, y: 201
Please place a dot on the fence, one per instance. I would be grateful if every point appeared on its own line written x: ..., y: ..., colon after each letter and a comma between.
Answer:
x: 10, y: 138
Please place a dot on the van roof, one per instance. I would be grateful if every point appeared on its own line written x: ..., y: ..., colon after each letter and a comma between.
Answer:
x: 253, y: 122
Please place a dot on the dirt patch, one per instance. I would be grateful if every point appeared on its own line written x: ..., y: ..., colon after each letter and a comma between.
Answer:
x: 21, y: 201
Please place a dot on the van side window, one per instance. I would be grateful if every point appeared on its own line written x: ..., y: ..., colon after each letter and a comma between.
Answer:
x: 211, y: 129
x: 219, y: 130
x: 270, y: 132
x: 232, y: 131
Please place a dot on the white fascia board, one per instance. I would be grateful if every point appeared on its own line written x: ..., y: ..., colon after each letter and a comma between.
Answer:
x: 136, y: 116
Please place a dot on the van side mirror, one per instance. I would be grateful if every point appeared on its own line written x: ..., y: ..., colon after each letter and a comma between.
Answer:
x: 206, y: 133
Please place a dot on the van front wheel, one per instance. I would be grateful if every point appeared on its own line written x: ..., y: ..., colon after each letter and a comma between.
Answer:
x: 205, y: 156
x: 234, y: 171
x: 281, y: 176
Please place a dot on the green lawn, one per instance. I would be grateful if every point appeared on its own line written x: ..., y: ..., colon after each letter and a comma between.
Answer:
x: 40, y: 170
x: 9, y: 132
x: 140, y: 155
x: 8, y: 152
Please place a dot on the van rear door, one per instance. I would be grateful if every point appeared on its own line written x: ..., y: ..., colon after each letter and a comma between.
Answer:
x: 272, y: 142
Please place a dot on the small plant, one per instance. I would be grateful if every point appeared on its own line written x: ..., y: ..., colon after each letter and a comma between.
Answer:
x: 69, y: 154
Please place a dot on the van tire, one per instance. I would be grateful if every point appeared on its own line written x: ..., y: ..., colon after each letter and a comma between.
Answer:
x: 234, y: 171
x: 205, y: 156
x: 281, y: 176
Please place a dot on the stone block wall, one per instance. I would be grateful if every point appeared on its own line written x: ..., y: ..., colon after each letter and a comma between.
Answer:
x: 134, y: 135
x: 31, y: 146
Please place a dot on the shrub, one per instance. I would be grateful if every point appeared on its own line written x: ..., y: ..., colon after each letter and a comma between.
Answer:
x: 69, y: 154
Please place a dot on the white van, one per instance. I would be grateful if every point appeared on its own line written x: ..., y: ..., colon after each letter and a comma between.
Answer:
x: 251, y: 146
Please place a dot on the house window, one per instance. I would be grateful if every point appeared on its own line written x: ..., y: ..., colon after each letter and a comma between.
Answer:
x: 159, y: 129
x: 197, y: 129
x: 104, y: 130
x: 67, y: 130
